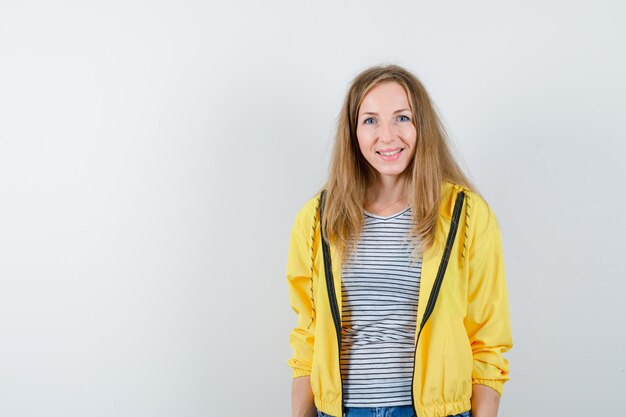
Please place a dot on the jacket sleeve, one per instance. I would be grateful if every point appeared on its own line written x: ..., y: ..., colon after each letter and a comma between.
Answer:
x: 300, y: 284
x: 487, y: 321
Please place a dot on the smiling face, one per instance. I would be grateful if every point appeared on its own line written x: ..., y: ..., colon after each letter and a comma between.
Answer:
x: 385, y: 129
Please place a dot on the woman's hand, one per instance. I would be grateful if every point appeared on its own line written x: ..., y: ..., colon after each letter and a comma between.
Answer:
x: 485, y: 401
x: 302, y: 404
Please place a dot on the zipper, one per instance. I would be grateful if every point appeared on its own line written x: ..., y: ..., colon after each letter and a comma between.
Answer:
x: 332, y: 296
x: 434, y: 293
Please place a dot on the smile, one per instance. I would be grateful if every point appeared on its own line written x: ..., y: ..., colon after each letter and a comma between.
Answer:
x: 389, y: 153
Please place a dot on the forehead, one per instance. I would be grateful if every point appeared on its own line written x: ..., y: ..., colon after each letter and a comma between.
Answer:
x: 385, y: 96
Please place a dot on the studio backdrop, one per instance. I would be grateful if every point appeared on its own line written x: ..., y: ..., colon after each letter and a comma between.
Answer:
x: 153, y: 156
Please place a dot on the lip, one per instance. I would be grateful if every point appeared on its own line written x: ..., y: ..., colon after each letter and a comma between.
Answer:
x: 389, y: 149
x: 391, y: 157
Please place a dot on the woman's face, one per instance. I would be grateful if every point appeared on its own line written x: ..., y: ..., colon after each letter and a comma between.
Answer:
x: 385, y: 129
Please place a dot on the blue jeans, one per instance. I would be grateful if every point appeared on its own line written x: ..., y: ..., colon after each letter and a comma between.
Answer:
x: 402, y: 411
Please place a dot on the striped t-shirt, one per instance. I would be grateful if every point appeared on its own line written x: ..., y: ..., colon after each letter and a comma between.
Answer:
x: 380, y: 284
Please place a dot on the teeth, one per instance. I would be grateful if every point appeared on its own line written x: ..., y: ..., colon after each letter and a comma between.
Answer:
x: 390, y: 153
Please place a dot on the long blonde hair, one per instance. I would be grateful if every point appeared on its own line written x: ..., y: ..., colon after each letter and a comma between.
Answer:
x: 350, y: 175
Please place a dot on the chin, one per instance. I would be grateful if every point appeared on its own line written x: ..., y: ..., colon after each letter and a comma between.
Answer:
x: 389, y: 173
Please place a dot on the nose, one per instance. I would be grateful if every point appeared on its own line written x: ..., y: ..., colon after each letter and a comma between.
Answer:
x: 386, y: 132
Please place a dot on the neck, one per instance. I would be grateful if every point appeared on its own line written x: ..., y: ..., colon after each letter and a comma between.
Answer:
x: 386, y: 190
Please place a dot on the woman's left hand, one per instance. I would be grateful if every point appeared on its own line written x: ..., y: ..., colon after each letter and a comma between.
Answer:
x: 485, y: 401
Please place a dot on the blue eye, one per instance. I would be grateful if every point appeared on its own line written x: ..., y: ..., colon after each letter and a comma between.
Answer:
x: 369, y: 121
x: 404, y: 118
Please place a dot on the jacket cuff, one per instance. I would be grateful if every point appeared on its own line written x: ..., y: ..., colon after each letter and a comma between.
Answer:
x: 297, y: 372
x: 300, y: 367
x: 491, y: 383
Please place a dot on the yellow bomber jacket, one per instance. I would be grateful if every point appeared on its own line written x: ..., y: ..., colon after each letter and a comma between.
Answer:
x: 466, y: 329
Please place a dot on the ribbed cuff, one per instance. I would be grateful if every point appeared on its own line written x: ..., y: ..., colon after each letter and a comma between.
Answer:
x: 300, y: 372
x: 491, y: 383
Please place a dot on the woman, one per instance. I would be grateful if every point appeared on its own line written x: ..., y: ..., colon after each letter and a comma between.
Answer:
x: 402, y: 305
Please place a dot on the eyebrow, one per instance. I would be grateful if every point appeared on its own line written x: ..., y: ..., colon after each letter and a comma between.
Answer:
x: 376, y: 114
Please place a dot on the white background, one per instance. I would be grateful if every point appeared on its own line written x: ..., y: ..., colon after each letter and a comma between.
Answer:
x: 153, y: 156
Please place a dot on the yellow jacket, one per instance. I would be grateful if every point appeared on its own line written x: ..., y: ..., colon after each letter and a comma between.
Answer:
x: 466, y: 329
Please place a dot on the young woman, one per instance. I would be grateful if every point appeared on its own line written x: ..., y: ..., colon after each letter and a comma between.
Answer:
x: 395, y: 270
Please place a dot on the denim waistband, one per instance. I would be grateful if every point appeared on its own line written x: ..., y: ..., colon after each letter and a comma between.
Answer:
x: 400, y: 411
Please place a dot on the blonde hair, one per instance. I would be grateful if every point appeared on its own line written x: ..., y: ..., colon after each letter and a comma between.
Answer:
x: 350, y: 175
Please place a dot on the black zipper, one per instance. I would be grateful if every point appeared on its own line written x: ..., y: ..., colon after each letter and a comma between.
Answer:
x: 332, y: 296
x: 434, y: 293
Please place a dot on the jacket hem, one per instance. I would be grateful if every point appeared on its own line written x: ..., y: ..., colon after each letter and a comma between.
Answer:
x: 444, y: 409
x: 332, y: 408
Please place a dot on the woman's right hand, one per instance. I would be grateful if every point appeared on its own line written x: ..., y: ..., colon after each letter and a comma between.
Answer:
x: 302, y: 404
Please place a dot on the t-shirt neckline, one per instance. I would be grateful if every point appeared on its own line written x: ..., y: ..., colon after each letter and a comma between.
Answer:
x: 367, y: 213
